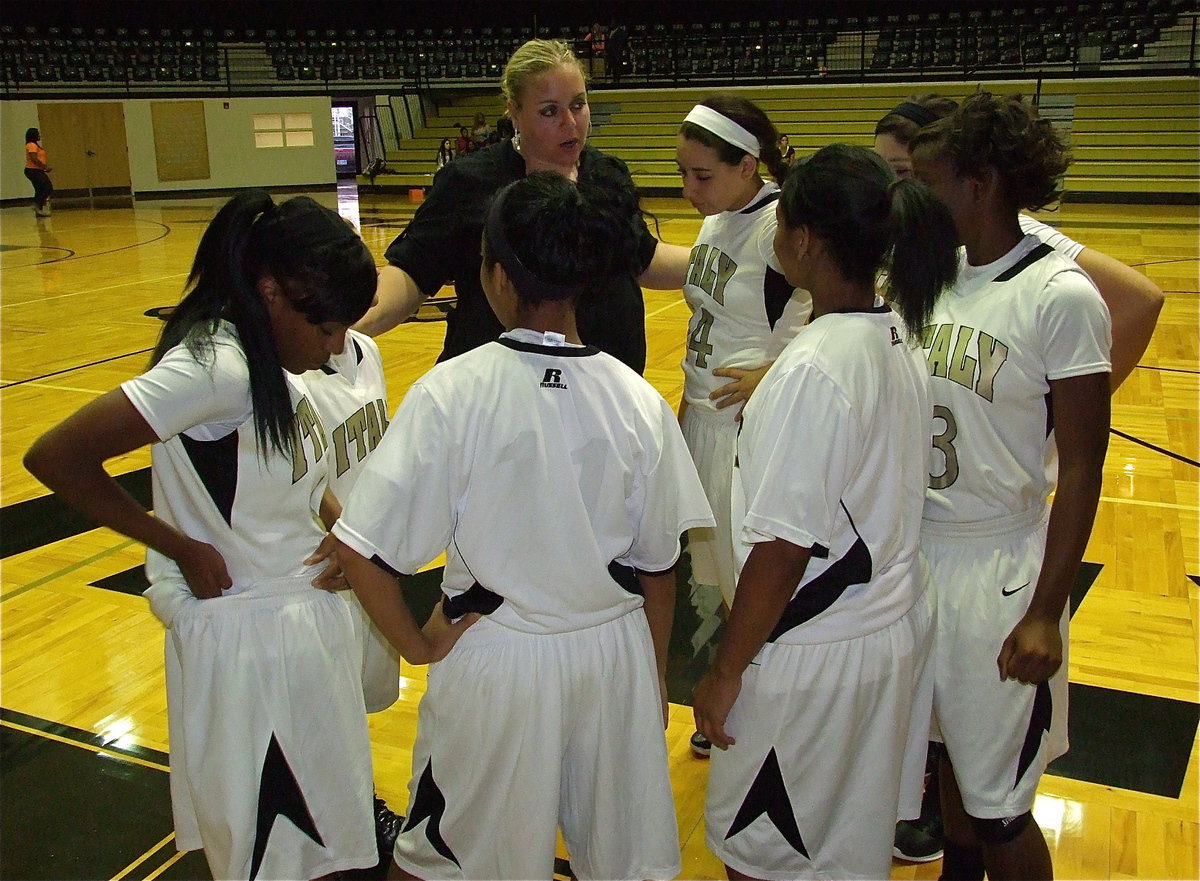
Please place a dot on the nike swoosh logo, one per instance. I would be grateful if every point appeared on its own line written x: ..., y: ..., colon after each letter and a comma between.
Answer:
x: 1007, y: 592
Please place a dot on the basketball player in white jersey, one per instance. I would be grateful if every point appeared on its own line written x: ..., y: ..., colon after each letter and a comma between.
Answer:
x: 743, y: 312
x: 270, y: 761
x: 1019, y: 357
x: 1134, y: 303
x: 535, y: 462
x: 818, y: 700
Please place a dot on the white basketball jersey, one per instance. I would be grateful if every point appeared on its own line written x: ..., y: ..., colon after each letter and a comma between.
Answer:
x: 743, y: 310
x: 993, y: 346
x: 834, y: 455
x: 533, y: 467
x: 351, y: 395
x: 210, y: 479
x: 1060, y: 242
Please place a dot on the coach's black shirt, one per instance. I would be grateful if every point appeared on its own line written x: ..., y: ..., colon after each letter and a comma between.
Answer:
x: 442, y: 243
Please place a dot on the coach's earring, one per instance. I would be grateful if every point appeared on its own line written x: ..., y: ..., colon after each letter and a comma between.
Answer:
x: 516, y: 141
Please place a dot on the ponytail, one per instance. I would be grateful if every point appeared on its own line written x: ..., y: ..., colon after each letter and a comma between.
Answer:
x: 923, y: 259
x: 317, y: 258
x: 868, y: 220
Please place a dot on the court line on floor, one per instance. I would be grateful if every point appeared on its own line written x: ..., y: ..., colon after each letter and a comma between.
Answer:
x: 1154, y: 447
x: 90, y: 747
x: 76, y: 367
x: 151, y: 852
x: 111, y: 287
x: 67, y: 570
x: 172, y: 861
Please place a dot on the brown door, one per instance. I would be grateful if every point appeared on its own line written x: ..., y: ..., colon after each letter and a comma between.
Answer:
x: 85, y: 146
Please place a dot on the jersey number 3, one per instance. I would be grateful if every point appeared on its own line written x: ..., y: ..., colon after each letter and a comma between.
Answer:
x: 945, y: 443
x: 698, y: 339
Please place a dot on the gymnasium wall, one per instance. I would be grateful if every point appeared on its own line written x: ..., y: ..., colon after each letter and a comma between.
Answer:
x: 234, y: 160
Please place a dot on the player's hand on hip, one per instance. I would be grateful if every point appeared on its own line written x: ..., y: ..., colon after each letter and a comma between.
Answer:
x: 331, y: 577
x: 1032, y: 653
x: 714, y: 698
x: 443, y: 633
x: 204, y: 569
x: 745, y: 381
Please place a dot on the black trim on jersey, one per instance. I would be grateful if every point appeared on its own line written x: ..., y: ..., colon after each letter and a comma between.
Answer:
x: 430, y: 804
x: 850, y: 310
x: 625, y: 577
x: 1049, y: 399
x: 776, y: 293
x: 1039, y: 723
x: 1025, y: 262
x: 279, y: 795
x: 379, y: 561
x: 358, y: 357
x: 216, y: 464
x: 768, y: 795
x: 557, y: 351
x: 475, y: 598
x: 666, y: 571
x: 825, y: 590
x: 765, y: 200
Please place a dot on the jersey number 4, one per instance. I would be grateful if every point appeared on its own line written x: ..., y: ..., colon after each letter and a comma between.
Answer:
x: 698, y: 338
x: 945, y: 443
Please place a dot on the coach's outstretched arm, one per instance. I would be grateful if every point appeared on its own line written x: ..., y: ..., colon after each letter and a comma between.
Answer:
x: 397, y: 297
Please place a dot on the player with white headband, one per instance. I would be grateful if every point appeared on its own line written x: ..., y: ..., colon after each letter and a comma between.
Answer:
x: 743, y: 313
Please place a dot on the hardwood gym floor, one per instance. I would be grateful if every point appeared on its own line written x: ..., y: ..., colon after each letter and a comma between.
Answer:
x: 83, y: 736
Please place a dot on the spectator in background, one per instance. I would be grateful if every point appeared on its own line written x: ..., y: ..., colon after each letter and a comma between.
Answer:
x: 463, y: 143
x: 595, y: 41
x: 615, y: 49
x: 36, y: 170
x: 787, y: 151
x: 445, y: 153
x: 481, y: 133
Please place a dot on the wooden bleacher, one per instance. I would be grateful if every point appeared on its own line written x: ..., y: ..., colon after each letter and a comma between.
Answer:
x: 1132, y: 138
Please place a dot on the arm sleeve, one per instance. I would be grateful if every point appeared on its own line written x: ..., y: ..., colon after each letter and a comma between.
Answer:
x: 796, y: 464
x: 1076, y: 326
x: 449, y: 220
x: 402, y: 509
x: 181, y: 395
x: 1058, y: 241
x: 670, y: 499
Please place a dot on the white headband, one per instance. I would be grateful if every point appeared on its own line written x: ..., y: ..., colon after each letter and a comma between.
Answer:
x: 724, y: 128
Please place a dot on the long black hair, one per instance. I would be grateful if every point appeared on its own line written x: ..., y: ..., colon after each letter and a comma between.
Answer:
x: 749, y: 116
x: 570, y: 237
x: 317, y: 258
x: 870, y: 221
x: 32, y: 136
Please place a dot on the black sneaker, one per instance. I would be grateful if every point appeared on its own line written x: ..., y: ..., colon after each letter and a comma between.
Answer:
x: 701, y: 746
x: 387, y: 827
x: 915, y: 845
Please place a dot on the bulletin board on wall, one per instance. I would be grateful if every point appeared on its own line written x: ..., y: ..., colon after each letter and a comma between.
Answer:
x: 180, y: 140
